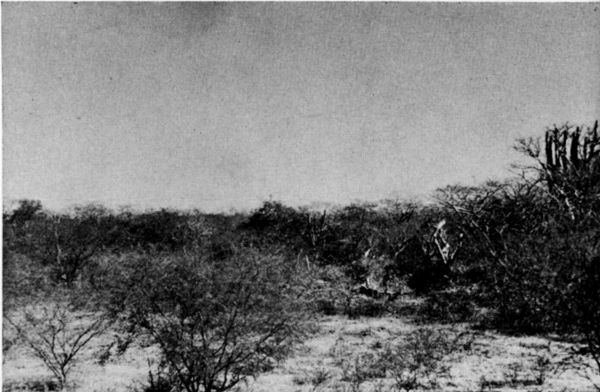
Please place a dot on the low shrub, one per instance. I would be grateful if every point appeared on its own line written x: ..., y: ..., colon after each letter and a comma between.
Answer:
x: 326, y: 307
x: 455, y: 305
x: 416, y: 361
x: 57, y: 327
x: 32, y: 385
x: 365, y: 307
x: 360, y: 368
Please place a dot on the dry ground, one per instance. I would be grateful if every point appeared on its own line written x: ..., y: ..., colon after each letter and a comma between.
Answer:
x: 488, y: 363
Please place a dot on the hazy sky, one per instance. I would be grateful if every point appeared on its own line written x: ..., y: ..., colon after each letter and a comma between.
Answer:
x: 221, y: 106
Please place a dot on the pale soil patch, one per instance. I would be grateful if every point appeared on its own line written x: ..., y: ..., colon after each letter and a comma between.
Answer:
x: 492, y: 356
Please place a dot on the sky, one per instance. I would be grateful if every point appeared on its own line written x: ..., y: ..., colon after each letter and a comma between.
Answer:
x: 221, y: 106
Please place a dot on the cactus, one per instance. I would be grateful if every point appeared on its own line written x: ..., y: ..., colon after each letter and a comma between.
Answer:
x: 572, y: 167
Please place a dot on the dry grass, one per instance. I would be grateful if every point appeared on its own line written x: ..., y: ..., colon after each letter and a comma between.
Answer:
x: 481, y: 362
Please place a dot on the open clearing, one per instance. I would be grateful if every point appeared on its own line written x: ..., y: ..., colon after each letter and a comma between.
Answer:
x: 487, y: 362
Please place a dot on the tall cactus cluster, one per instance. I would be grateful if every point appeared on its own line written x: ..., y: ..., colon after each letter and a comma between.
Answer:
x: 572, y: 167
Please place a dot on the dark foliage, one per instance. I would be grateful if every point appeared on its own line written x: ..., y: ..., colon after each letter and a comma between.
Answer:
x: 533, y: 242
x: 63, y: 243
x: 449, y: 305
x: 397, y: 235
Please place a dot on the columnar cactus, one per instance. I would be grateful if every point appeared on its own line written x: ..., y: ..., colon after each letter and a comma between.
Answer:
x: 572, y: 167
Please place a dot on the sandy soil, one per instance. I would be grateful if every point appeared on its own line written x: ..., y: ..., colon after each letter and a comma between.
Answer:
x: 488, y: 362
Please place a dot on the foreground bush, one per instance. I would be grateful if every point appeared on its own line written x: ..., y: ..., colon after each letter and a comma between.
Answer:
x: 57, y: 326
x: 214, y: 322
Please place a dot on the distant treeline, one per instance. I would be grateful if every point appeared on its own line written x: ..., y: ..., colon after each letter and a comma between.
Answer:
x: 526, y: 249
x: 68, y: 242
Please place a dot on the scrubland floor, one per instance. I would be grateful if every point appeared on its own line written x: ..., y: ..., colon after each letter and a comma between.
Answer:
x: 488, y: 362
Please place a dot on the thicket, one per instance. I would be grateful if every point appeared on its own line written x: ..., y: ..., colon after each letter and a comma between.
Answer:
x: 217, y: 310
x: 526, y: 250
x: 394, y: 236
x: 71, y: 246
x: 533, y: 245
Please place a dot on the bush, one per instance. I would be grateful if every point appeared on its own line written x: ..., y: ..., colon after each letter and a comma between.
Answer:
x: 215, y: 322
x: 325, y: 307
x: 454, y: 305
x: 416, y: 362
x: 522, y: 256
x: 344, y: 236
x: 413, y: 361
x: 157, y: 382
x: 56, y: 326
x: 533, y: 242
x: 428, y: 276
x: 587, y: 298
x: 365, y: 307
x: 329, y: 290
x: 63, y: 243
x: 31, y: 385
x: 361, y: 368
